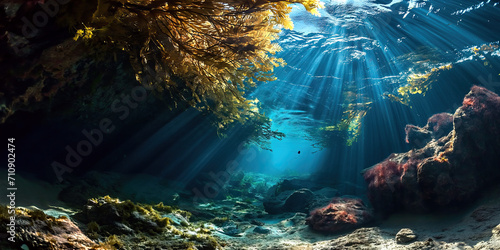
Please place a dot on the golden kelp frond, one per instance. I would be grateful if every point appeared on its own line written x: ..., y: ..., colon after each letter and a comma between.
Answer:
x: 417, y: 84
x: 205, y: 53
x: 350, y: 124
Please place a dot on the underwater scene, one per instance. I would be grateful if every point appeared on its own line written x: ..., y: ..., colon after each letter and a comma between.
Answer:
x: 250, y: 124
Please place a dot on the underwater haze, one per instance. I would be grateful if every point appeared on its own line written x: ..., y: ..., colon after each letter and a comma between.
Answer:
x: 340, y: 124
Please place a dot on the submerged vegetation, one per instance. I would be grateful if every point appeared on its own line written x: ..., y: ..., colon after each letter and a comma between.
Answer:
x: 203, y: 53
x: 348, y: 128
x: 417, y: 83
x: 110, y: 224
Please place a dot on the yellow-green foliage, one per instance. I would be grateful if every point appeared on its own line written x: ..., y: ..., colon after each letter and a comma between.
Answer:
x: 204, y: 53
x: 37, y: 214
x: 161, y: 207
x: 126, y: 208
x: 112, y: 242
x: 219, y: 221
x: 350, y: 124
x: 417, y: 84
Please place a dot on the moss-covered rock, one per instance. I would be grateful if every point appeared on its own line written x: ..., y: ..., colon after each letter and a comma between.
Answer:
x: 128, y: 225
x: 37, y: 230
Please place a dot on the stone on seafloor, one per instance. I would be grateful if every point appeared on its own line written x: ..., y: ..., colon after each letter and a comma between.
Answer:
x: 496, y: 231
x: 341, y: 214
x: 299, y: 200
x: 485, y: 213
x: 289, y: 202
x: 362, y: 238
x: 261, y: 230
x: 36, y: 230
x: 405, y: 235
x: 450, y: 169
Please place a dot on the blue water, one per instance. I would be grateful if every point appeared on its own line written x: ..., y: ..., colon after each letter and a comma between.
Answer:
x: 353, y: 57
x: 366, y: 50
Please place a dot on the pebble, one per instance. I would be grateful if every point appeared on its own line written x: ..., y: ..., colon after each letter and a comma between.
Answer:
x: 405, y: 235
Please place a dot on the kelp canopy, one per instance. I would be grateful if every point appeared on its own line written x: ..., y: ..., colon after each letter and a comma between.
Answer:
x: 204, y: 53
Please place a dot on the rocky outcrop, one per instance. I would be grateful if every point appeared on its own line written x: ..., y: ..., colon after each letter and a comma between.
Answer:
x: 437, y: 126
x: 340, y: 215
x: 448, y: 171
x: 36, y: 230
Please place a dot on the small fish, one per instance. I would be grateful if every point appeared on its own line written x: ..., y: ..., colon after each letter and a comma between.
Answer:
x: 298, y: 152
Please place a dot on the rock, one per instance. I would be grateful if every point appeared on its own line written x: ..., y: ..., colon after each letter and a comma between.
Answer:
x: 496, y: 231
x: 257, y: 223
x: 440, y: 124
x: 448, y: 171
x: 405, y: 235
x: 485, y: 213
x: 437, y: 126
x: 299, y: 200
x: 36, y: 230
x: 362, y: 238
x: 286, y: 202
x: 231, y: 229
x: 341, y: 214
x: 261, y: 230
x: 417, y: 137
x: 178, y: 219
x: 120, y: 217
x: 296, y: 220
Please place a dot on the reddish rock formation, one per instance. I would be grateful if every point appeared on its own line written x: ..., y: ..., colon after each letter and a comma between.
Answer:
x: 341, y: 214
x: 437, y: 126
x: 449, y: 170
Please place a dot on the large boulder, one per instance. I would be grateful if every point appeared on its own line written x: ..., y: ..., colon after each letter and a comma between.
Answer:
x: 290, y: 202
x: 451, y: 168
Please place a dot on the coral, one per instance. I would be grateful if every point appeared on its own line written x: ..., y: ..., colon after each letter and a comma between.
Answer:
x: 451, y: 168
x: 341, y: 214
